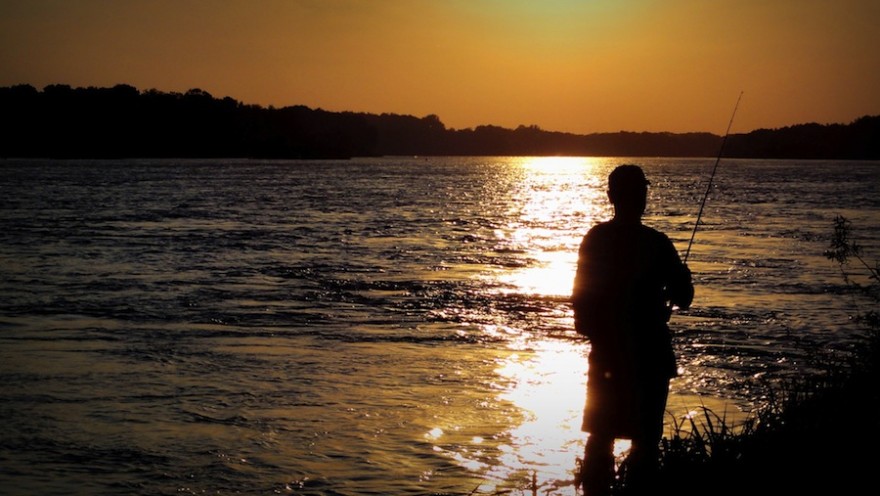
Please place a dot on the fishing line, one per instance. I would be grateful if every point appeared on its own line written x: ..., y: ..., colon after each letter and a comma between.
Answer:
x: 712, y: 177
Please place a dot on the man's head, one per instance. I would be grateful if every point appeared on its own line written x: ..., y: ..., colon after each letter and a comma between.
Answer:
x: 628, y: 190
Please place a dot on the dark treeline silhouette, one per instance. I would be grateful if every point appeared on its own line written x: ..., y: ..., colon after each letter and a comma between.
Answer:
x: 859, y: 140
x: 61, y: 121
x: 122, y: 122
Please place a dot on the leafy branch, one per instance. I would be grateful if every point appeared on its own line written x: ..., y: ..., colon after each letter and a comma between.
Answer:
x: 843, y: 249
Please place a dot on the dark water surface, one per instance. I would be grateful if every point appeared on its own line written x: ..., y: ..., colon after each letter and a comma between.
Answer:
x: 374, y: 326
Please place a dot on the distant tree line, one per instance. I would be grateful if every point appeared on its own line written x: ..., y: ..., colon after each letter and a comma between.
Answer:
x: 859, y: 140
x: 123, y: 122
x: 61, y: 121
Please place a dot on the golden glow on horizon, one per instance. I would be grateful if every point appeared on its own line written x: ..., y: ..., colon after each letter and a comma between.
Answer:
x: 558, y: 165
x: 566, y: 65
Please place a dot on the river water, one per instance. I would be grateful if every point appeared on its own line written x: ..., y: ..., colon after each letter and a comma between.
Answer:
x: 393, y: 326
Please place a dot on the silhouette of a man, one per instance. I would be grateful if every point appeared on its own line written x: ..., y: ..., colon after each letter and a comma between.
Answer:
x: 628, y: 278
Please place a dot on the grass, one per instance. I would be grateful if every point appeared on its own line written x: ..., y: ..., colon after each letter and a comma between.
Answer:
x: 818, y: 436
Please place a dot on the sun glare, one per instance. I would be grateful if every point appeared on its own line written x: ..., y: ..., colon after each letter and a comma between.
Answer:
x: 558, y: 165
x: 551, y: 276
x: 560, y: 197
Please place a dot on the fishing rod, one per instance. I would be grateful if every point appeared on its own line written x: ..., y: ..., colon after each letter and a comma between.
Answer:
x: 712, y: 177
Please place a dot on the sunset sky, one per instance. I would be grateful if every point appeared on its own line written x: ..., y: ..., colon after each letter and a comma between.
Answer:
x: 565, y: 65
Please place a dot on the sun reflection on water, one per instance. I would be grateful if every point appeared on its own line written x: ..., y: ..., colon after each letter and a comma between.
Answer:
x: 560, y: 198
x: 545, y: 385
x: 548, y: 385
x: 562, y: 165
x: 552, y: 275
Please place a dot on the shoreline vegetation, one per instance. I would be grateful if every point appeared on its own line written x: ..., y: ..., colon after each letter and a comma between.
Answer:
x: 60, y: 121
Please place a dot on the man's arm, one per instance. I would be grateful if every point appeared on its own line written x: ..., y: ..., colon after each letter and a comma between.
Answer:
x: 680, y: 289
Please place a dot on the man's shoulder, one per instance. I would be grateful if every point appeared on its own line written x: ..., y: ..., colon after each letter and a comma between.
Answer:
x: 611, y: 226
x: 609, y: 230
x: 650, y: 231
x: 600, y: 227
x: 602, y: 230
x: 662, y: 238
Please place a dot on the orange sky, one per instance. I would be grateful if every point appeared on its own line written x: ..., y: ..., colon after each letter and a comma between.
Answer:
x: 568, y: 65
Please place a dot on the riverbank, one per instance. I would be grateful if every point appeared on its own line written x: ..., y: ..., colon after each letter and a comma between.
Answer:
x: 816, y: 436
